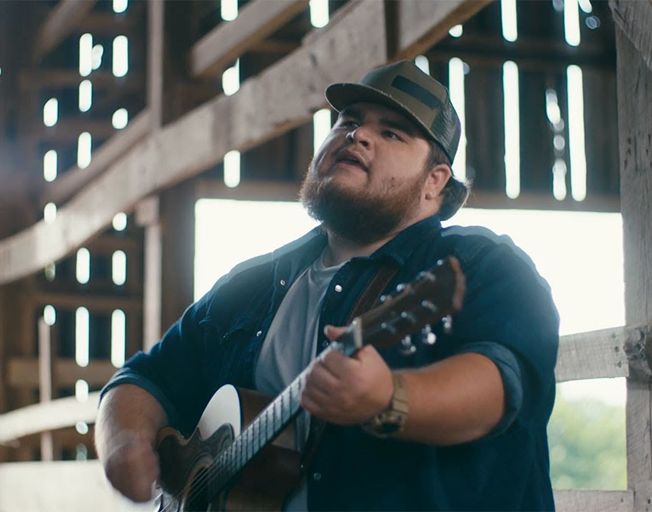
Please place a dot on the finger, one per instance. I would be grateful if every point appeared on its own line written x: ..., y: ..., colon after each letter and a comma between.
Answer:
x: 333, y: 332
x: 322, y: 378
x: 339, y: 365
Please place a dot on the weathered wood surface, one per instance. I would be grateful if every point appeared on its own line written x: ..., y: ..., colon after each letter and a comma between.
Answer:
x: 634, y: 17
x: 594, y: 501
x: 282, y: 97
x: 155, y: 28
x: 257, y: 20
x: 417, y: 29
x: 68, y: 486
x: 22, y: 372
x: 592, y: 355
x: 112, y: 150
x: 635, y: 144
x: 33, y: 419
x: 60, y: 23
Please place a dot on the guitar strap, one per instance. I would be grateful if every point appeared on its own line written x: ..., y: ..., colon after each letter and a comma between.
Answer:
x: 365, y: 303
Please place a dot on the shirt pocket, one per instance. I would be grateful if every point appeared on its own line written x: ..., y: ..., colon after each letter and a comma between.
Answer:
x: 226, y: 350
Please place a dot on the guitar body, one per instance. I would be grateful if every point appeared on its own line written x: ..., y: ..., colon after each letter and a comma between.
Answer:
x: 265, y: 482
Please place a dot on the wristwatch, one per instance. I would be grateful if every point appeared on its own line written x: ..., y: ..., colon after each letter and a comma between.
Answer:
x: 391, y: 420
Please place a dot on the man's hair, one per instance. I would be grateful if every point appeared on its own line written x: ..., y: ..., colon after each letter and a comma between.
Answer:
x: 455, y: 193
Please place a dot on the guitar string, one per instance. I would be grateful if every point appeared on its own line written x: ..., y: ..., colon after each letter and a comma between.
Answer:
x: 245, y: 440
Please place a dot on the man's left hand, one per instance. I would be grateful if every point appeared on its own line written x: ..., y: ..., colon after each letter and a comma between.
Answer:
x: 348, y: 391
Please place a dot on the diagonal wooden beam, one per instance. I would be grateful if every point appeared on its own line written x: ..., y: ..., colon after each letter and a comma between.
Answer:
x: 283, y: 96
x: 421, y: 23
x: 61, y: 22
x: 634, y: 17
x: 75, y: 179
x: 33, y: 419
x: 229, y: 40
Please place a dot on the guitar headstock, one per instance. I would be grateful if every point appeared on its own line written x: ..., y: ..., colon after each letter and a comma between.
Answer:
x: 435, y: 295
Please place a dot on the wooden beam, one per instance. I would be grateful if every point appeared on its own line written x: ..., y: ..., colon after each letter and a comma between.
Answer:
x: 594, y: 501
x: 62, y: 485
x: 33, y: 419
x: 534, y: 201
x: 92, y: 302
x: 635, y: 19
x: 155, y: 28
x: 635, y: 144
x: 283, y: 96
x: 45, y: 382
x: 67, y: 130
x: 257, y: 20
x: 22, y: 372
x: 37, y: 78
x: 112, y: 150
x: 60, y: 23
x: 421, y: 23
x: 592, y: 355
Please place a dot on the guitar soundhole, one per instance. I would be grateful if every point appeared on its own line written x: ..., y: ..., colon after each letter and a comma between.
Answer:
x: 197, y: 498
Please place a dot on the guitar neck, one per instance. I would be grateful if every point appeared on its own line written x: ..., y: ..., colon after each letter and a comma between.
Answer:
x: 261, y: 431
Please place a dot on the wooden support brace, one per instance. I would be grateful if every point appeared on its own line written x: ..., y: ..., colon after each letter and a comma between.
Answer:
x: 257, y: 20
x: 61, y: 22
x: 265, y: 107
x: 634, y: 17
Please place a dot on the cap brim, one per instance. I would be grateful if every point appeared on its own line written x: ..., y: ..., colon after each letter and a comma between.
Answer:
x: 342, y: 95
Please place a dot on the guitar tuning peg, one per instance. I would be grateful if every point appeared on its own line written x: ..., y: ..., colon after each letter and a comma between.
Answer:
x: 429, y: 306
x: 383, y: 298
x: 408, y: 316
x: 427, y: 336
x: 400, y: 287
x: 407, y: 348
x: 448, y: 324
x: 388, y: 328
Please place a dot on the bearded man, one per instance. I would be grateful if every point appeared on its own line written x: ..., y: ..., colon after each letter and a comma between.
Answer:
x: 458, y: 424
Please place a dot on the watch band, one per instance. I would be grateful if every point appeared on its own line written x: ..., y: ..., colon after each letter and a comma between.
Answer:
x: 391, y: 420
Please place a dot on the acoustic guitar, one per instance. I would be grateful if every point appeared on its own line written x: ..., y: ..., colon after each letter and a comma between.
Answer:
x: 241, y: 455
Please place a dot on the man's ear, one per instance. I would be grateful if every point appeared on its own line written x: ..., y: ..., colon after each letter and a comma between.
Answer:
x: 436, y: 180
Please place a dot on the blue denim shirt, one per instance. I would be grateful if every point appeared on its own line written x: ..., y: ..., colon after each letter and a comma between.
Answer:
x: 508, y: 316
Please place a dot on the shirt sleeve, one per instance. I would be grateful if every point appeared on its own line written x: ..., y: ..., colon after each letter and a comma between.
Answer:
x: 509, y: 316
x: 169, y: 371
x: 510, y: 373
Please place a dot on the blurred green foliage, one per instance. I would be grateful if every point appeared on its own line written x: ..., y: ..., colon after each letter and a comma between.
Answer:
x: 587, y: 445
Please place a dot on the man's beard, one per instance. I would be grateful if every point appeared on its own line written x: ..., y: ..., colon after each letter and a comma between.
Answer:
x: 360, y: 216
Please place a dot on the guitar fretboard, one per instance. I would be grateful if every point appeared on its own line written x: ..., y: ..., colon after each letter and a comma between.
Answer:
x: 263, y: 429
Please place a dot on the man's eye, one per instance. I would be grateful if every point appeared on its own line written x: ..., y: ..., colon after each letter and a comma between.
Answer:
x: 349, y: 124
x: 392, y: 135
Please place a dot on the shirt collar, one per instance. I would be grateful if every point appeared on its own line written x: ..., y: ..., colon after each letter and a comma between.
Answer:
x: 402, y: 245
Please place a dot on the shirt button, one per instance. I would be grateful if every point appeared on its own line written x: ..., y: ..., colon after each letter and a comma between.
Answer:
x: 282, y: 282
x: 325, y: 343
x: 259, y: 334
x: 338, y: 288
x: 316, y: 477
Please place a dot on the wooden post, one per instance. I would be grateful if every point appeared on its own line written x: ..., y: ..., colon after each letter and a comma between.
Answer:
x: 147, y: 216
x: 635, y: 141
x: 45, y: 383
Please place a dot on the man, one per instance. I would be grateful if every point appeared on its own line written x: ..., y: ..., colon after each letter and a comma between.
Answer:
x: 457, y: 425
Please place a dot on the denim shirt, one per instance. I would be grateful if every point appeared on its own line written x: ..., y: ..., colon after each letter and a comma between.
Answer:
x: 508, y: 316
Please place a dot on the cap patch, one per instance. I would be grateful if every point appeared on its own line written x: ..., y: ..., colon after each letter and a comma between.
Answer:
x: 416, y: 91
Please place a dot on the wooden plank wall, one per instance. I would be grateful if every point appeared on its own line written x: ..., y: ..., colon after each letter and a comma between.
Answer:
x: 635, y: 138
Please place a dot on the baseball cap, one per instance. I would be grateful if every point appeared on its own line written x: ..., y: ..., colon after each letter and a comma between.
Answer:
x: 404, y: 87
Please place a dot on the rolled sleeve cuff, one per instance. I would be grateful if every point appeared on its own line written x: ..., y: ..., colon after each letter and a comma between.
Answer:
x: 510, y: 371
x: 127, y: 376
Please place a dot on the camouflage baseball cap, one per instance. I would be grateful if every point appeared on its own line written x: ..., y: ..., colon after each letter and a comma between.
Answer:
x: 404, y: 87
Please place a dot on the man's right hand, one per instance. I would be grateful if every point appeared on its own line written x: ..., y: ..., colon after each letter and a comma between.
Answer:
x: 132, y: 466
x: 125, y: 435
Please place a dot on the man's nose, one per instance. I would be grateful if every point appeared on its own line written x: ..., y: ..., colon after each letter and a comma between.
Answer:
x: 360, y: 135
